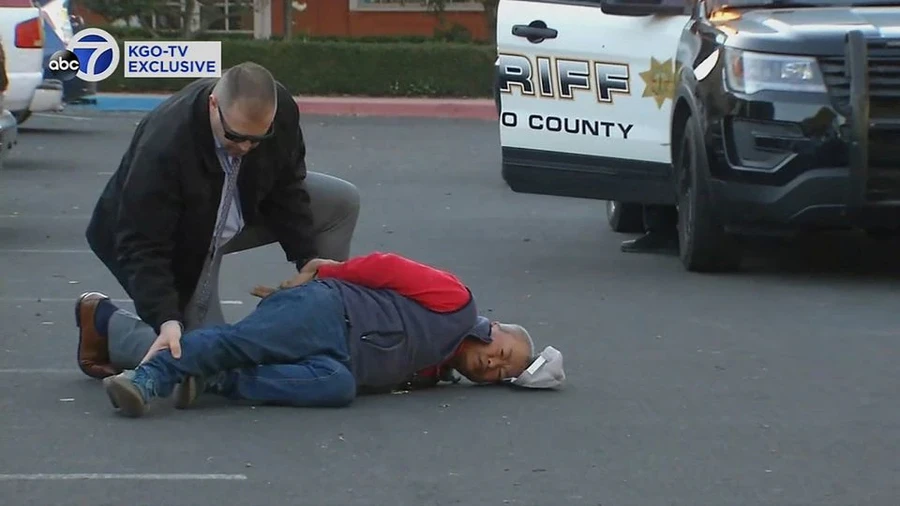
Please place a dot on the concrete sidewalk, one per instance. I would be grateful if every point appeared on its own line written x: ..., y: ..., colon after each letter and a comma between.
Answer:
x: 481, y: 109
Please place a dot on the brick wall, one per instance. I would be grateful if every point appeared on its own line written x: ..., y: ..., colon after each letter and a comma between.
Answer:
x: 334, y: 18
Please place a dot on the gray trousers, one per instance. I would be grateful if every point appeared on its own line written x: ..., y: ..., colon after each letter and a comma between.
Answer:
x: 335, y: 210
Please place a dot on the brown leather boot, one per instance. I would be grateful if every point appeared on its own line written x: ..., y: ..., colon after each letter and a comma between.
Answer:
x: 93, y: 353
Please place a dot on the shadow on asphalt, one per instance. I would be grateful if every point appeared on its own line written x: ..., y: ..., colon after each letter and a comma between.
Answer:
x: 16, y: 163
x: 29, y: 130
x: 835, y: 256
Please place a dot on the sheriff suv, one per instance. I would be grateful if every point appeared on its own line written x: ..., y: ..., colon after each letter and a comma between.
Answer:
x: 747, y: 116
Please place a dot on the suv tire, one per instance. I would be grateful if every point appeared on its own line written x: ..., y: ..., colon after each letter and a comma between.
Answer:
x: 704, y: 246
x: 625, y: 218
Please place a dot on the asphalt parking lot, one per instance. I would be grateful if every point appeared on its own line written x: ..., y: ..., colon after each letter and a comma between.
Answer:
x: 775, y: 386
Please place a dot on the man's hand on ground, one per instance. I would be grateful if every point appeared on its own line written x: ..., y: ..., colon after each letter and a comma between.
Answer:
x: 169, y: 339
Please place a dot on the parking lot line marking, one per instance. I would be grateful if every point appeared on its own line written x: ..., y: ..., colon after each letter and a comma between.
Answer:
x: 114, y: 301
x: 117, y: 476
x: 62, y: 116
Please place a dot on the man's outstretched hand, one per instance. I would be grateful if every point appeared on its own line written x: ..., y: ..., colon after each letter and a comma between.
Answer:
x: 262, y: 291
x: 307, y: 273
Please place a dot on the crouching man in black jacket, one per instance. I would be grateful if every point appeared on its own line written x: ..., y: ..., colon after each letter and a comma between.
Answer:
x: 217, y: 168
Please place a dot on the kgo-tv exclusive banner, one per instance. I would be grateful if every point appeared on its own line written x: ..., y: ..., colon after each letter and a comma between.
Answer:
x: 191, y: 59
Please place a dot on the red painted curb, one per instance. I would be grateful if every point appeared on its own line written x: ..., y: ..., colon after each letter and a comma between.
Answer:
x: 481, y: 109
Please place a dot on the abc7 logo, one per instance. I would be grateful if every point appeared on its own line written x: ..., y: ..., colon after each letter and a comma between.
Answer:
x: 64, y: 65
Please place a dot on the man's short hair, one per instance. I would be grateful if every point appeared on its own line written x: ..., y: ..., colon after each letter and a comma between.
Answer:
x: 521, y: 333
x: 249, y: 83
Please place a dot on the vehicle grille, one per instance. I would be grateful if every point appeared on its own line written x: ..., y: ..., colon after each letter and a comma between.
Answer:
x: 884, y: 79
x: 883, y: 182
x: 884, y: 166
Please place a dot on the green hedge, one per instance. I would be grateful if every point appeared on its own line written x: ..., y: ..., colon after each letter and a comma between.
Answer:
x: 385, y: 69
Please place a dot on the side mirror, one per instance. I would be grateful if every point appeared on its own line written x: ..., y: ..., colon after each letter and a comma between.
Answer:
x: 645, y: 7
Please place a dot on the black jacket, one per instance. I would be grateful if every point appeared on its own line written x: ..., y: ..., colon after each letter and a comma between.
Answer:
x: 153, y: 224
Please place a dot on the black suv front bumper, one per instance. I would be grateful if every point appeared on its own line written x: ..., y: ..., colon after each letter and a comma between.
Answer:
x: 831, y: 165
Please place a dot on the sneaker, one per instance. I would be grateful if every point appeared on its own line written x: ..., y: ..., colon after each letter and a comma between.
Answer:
x: 125, y: 395
x: 191, y: 387
x: 187, y: 391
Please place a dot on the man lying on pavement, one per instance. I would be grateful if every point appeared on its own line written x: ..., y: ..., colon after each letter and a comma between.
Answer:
x: 373, y: 322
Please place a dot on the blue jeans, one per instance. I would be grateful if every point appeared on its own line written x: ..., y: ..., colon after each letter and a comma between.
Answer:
x: 291, y: 350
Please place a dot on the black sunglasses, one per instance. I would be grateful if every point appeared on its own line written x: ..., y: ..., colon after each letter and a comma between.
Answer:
x: 241, y: 138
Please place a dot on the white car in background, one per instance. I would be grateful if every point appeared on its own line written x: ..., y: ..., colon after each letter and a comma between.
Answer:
x: 22, y: 33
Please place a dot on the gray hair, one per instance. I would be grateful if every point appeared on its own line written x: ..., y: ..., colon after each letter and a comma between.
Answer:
x: 521, y: 333
x: 249, y: 83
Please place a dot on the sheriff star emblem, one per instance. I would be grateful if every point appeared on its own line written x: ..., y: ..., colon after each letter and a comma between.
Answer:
x: 659, y: 81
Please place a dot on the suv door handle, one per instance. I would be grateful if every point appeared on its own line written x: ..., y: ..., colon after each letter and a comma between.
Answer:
x: 535, y: 32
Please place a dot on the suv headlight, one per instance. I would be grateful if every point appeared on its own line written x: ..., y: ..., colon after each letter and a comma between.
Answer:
x: 749, y: 72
